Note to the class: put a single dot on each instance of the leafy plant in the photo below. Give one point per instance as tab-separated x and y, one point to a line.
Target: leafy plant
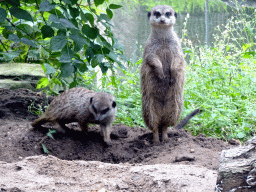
67	36
36	109
49	134
221	80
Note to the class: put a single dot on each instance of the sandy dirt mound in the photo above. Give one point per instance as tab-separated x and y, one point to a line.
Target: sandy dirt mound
130	145
41	173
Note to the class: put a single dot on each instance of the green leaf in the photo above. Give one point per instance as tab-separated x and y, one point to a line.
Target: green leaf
98	2
50	132
57	25
48	69
14	37
105	43
79	41
67	23
42	83
74	12
67	2
109	13
20	14
73	2
58	42
6	33
45	149
104	17
78	38
114	6
10	56
240	135
57	13
254	113
89	54
66	70
89	18
82	67
66	55
100	57
248	55
28	42
53	18
73	84
25	28
103	67
47	31
15	3
91	33
46	6
113	56
2	15
94	62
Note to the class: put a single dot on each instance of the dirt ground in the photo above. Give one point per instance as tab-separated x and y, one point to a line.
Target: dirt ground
130	146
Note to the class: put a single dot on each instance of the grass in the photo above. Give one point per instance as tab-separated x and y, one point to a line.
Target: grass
221	81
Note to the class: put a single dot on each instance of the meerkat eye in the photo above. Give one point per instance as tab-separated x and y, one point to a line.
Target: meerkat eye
104	111
157	14
149	15
114	104
168	14
94	109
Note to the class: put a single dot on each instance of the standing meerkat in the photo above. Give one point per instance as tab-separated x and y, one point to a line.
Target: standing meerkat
83	106
162	73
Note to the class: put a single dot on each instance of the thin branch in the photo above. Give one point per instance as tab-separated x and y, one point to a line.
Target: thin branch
3	46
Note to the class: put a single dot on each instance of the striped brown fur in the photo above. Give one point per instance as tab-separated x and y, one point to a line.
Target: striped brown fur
83	106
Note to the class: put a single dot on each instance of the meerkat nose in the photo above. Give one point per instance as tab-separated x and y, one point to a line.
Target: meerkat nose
162	21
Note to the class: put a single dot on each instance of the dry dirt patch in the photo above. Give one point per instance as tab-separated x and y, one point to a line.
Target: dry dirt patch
130	146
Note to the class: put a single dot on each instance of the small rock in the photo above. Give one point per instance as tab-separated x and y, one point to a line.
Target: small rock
184	158
234	142
122	186
192	150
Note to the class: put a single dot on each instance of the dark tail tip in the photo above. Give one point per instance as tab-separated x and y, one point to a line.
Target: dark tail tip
184	121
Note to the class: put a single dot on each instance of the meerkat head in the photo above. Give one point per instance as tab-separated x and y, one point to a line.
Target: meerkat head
103	107
162	16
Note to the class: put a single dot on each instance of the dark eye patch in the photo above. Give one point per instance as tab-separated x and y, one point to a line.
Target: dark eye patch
104	111
149	15
157	14
94	109
168	14
114	104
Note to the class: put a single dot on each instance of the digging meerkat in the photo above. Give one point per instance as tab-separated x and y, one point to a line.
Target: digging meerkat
83	106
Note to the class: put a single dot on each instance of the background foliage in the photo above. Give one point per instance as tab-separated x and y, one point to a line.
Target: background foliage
68	37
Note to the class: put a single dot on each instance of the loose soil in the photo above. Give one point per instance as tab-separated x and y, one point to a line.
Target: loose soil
129	146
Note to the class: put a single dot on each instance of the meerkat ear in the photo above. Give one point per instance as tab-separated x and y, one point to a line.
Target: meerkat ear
91	100
149	14
114	104
175	14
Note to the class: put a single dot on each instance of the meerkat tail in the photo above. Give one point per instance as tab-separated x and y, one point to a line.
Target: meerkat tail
184	121
38	122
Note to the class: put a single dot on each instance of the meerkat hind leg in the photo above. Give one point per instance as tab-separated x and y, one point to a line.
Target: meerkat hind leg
164	134
156	136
